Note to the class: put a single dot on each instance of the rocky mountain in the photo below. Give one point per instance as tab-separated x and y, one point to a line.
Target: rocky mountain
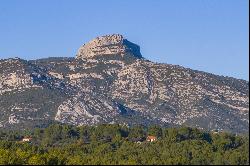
110	82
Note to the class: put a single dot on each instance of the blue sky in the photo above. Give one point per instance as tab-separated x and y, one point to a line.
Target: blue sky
206	35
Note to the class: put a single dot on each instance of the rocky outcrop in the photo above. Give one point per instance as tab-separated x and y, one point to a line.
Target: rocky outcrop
85	110
108	45
14	75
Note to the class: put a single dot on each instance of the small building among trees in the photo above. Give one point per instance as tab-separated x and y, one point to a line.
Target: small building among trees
26	139
151	138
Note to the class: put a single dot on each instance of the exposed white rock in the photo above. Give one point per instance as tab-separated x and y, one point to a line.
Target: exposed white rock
84	109
13	119
107	45
57	75
84	75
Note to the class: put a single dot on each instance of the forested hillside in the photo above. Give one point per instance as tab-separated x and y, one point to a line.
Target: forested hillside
116	144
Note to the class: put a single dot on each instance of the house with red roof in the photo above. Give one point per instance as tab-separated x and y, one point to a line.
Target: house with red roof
151	138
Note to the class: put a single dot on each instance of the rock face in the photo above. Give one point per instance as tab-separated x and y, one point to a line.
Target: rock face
110	82
13	76
108	45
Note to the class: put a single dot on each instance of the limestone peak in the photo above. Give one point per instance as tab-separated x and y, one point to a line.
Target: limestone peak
114	44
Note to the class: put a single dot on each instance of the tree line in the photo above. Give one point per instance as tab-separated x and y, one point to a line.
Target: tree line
61	144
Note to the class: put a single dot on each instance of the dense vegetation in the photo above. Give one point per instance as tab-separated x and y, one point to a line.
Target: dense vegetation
116	144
